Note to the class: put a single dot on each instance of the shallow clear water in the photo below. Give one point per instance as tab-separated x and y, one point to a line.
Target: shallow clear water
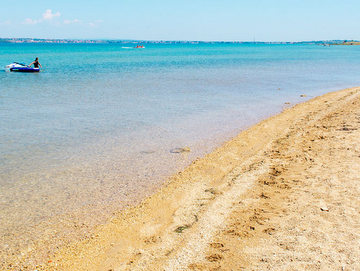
94	130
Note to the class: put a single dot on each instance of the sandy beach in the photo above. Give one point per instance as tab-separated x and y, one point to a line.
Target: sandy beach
282	195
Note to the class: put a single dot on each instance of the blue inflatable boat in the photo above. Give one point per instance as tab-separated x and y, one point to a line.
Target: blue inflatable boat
19	67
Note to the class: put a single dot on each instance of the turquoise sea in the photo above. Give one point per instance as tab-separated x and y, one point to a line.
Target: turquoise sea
93	132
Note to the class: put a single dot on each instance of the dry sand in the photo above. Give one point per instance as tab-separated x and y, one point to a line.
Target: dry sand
282	195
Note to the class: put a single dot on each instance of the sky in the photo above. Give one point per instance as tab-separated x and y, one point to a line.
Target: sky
211	20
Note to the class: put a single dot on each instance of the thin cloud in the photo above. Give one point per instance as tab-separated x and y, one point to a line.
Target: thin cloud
31	21
49	15
95	23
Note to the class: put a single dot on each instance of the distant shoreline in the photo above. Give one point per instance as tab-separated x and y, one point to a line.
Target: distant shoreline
349	43
110	41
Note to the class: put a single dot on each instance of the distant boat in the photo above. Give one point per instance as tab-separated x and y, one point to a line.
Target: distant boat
139	47
19	67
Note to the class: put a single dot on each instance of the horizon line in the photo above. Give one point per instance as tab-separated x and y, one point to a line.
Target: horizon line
164	40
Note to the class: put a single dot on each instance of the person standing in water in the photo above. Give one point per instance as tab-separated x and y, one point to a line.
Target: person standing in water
36	63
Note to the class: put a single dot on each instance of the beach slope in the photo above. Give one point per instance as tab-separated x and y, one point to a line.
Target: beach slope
282	195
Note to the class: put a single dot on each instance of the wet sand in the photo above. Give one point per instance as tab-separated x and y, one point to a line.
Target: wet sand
282	195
